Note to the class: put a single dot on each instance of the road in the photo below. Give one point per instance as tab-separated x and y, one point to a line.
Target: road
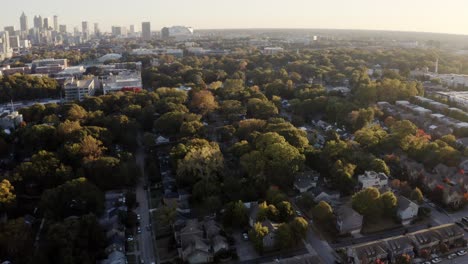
145	238
321	247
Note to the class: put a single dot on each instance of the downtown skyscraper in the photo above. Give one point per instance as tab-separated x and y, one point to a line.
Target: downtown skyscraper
24	23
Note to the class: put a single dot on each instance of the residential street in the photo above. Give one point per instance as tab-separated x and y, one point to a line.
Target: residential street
321	247
145	238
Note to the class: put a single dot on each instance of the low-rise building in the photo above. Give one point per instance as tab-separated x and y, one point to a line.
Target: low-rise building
306	180
10	120
429	240
77	90
407	210
348	221
372	179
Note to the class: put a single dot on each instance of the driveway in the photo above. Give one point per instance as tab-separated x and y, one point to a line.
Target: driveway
245	249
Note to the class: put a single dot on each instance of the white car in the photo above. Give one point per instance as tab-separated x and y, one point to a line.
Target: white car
461	252
452	256
138	217
436	260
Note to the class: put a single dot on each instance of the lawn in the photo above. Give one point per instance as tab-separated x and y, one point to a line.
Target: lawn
131	259
378	225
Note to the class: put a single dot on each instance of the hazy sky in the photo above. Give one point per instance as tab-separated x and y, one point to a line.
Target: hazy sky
447	16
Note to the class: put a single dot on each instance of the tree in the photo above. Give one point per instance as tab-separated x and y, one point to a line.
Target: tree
204	102
236	215
285	210
76	112
299	228
44	170
7	195
284	237
232	110
256	234
74	241
75	197
258	108
323	212
201	160
342	175
403	259
389	203
16	241
166	215
417	195
379	165
91	148
366	202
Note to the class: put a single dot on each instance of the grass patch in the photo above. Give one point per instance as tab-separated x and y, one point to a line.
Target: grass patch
378	225
131	259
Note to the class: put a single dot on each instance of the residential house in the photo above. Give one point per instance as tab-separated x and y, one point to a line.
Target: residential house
348	221
429	240
407	210
115	257
372	179
367	253
219	244
269	241
198	242
196	251
384	250
305	181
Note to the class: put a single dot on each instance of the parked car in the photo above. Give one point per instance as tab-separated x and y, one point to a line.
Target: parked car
130	238
460	224
138	230
138	217
461	252
298	213
465	219
452	256
426	262
436	260
245	236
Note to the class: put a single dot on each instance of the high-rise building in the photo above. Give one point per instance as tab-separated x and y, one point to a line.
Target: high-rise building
97	31
146	31
24	22
38	23
165	32
85	29
47	23
63	28
5	50
10	29
119	31
132	29
56	24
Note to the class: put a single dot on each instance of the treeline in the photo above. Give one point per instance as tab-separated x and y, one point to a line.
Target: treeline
26	87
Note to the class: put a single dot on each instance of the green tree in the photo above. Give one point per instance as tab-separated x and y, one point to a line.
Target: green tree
285	210
256	234
284	236
75	197
323	212
367	202
7	196
299	228
417	195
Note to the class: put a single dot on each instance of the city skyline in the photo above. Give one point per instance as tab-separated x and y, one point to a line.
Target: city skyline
417	15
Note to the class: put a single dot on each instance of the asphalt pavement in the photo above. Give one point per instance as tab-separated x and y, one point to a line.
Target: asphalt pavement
147	252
